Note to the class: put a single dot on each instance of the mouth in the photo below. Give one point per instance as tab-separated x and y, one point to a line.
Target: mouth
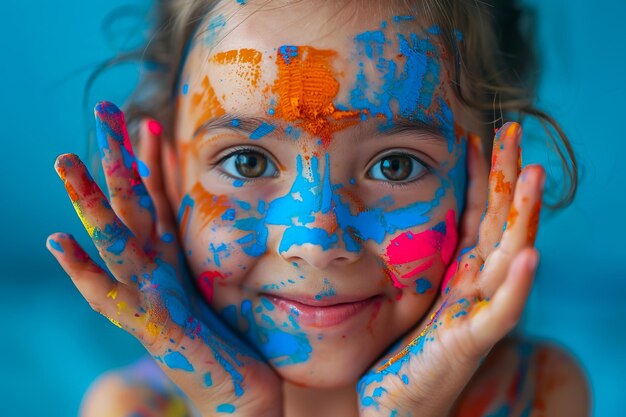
323	313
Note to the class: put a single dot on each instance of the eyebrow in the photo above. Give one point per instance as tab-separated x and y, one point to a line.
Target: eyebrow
248	125
242	124
427	132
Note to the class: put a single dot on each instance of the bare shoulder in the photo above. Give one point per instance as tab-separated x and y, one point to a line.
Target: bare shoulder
140	389
526	379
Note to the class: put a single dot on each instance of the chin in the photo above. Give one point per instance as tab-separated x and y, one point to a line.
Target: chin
327	372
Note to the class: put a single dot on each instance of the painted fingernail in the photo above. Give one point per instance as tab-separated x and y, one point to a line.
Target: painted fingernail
155	127
55	245
510	129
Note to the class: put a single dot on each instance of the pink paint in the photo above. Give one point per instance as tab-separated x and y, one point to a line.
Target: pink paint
408	247
155	127
205	283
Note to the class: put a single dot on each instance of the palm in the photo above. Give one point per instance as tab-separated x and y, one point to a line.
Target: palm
151	295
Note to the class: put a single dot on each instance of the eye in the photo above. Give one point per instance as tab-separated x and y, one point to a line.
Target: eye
397	167
244	164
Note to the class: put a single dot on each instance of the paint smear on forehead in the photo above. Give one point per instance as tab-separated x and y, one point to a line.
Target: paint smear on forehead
306	87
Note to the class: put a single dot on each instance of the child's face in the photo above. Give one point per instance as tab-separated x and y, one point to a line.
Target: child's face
322	168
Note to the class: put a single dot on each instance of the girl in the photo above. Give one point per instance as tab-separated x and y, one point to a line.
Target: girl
332	253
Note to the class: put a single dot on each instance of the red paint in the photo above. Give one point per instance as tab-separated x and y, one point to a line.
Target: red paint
205	282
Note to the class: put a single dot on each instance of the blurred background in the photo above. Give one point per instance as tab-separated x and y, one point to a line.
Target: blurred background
53	345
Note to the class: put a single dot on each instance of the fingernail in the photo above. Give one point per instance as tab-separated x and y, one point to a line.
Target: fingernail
109	123
510	129
155	127
55	245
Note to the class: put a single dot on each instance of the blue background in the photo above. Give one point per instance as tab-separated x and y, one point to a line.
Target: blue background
53	345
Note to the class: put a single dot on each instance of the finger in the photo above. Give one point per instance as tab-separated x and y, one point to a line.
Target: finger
492	320
150	157
476	194
521	228
129	196
104	295
116	244
504	171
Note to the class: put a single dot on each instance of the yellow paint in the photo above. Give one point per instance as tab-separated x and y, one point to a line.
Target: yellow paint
113	293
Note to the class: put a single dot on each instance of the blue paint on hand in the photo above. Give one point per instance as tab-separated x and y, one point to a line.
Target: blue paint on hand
176	360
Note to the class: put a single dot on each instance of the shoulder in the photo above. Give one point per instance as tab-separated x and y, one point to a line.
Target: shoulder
526	378
140	389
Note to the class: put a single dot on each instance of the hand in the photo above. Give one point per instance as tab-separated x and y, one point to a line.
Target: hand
483	294
148	293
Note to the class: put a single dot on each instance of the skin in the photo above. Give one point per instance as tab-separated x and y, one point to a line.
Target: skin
444	335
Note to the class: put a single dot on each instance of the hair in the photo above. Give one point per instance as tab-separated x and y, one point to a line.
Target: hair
494	68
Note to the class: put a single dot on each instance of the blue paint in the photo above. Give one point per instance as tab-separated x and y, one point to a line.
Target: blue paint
185	88
117	234
261	131
208	380
235	123
55	245
225	408
422	285
300	235
327	291
403	18
216	23
238	183
277	345
225	346
229	215
176	360
143	169
405	379
216	251
287	52
267	304
411	88
167	237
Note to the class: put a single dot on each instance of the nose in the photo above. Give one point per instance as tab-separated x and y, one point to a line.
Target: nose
312	234
316	247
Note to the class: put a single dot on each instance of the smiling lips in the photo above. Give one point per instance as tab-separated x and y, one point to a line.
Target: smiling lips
322	313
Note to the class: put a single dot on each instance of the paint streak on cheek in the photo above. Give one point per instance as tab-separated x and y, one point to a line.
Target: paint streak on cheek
419	252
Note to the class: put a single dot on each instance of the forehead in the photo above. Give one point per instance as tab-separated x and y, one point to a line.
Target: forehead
300	61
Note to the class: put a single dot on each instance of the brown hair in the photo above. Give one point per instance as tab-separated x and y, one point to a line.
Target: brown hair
494	68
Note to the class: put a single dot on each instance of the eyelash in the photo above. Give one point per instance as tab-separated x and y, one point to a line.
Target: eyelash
404	184
388	184
233	152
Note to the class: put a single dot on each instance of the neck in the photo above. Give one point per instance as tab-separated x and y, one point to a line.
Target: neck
304	402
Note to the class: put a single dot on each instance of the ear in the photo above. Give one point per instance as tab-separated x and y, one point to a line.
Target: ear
476	193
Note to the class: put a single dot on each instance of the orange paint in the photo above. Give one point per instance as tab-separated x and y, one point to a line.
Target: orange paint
306	87
510	220
205	103
501	186
207	206
247	64
533	222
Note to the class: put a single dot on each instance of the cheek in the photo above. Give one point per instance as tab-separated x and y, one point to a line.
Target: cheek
222	238
415	260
